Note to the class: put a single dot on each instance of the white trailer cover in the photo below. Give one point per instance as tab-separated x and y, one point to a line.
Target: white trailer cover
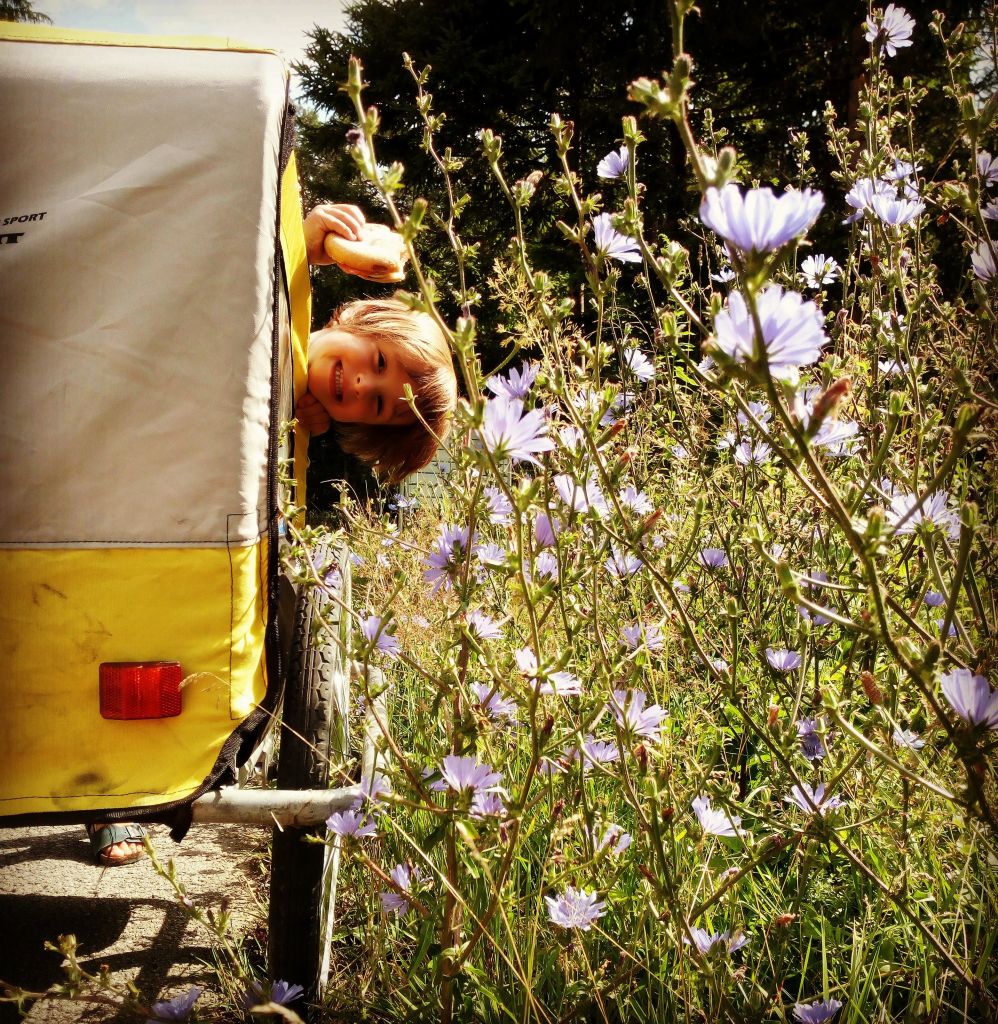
137	204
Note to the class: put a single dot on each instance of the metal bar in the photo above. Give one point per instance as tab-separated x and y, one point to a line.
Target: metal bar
284	807
293	807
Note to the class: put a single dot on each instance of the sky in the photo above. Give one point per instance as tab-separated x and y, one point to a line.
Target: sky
278	24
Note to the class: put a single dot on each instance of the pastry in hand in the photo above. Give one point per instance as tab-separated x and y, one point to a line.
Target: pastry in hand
379	255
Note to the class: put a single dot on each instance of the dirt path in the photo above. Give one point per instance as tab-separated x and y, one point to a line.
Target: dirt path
126	917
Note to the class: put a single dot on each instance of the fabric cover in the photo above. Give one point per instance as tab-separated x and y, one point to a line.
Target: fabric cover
137	313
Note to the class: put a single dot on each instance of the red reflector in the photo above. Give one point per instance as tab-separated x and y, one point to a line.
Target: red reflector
140	689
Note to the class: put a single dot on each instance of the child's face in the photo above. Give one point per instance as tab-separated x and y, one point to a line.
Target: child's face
357	379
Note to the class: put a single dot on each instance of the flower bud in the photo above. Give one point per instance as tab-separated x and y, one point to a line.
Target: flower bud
826	402
788	585
870	688
932	654
651	520
969	516
641	756
355	77
655	97
875	523
491	145
783	920
966	418
772	716
726	160
631	131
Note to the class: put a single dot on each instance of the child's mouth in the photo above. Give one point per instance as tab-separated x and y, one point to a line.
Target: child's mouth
338	382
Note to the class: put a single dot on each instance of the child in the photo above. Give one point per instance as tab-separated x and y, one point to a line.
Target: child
360	363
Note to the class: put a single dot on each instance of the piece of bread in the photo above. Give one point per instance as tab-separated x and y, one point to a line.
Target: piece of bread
379	255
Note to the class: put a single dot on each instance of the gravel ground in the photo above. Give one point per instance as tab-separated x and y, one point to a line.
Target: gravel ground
126	917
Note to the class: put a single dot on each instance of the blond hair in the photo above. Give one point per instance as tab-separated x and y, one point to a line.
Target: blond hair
396	451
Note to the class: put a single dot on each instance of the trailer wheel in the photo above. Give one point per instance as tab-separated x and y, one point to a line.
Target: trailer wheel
314	735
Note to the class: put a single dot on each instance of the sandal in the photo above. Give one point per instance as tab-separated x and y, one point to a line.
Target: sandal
102	837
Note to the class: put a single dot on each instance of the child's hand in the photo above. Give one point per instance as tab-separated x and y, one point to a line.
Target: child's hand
330	218
311	414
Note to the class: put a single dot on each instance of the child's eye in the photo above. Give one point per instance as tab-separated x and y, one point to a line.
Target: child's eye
379	404
381	361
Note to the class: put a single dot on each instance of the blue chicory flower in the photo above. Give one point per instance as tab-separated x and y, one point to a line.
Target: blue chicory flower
637	363
373	789
783	660
281	992
487	805
466	774
611	244
575	908
757	221
890	32
596	751
714	822
982	260
482	626
517	384
510	433
706	941
562	684
820	1011
546	529
812	801
817	619
748	454
819	269
635	500
907	738
811	744
906	514
648	632
614	837
987	168
860	196
177	1008
614	164
896	211
491	555
500	507
631	715
493	703
374	632
793	330
447	555
545	566
837	437
578	496
971	697
622	563
712	558
901	170
351	824
403	875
